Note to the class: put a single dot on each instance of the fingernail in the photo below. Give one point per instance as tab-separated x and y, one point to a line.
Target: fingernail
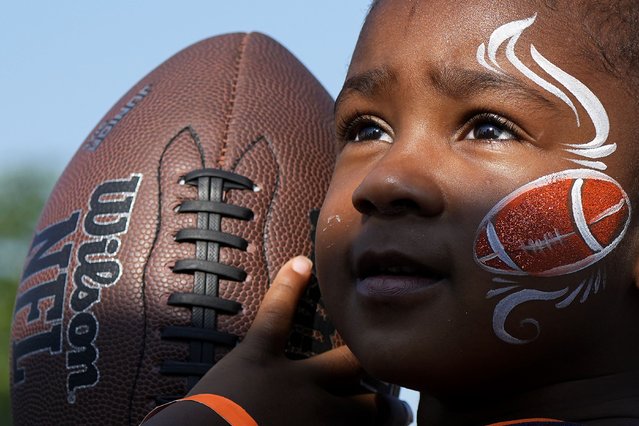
302	265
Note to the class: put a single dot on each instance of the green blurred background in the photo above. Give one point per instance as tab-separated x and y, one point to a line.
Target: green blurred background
22	195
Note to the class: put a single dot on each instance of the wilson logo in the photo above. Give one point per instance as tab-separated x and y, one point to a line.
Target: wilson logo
96	267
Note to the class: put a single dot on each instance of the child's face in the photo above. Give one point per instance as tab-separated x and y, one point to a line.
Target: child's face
441	141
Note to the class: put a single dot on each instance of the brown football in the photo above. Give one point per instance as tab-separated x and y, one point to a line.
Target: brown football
161	237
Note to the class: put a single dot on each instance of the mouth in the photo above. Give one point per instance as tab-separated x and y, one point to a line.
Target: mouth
393	274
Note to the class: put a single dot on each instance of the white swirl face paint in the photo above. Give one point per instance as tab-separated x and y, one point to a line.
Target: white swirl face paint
594	149
557	224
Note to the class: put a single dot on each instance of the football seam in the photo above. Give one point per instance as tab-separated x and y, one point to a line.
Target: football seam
231	108
195	139
269	209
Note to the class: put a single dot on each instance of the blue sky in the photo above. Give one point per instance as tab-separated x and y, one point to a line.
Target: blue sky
64	63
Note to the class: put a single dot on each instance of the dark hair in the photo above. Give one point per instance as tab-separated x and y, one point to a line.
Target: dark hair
612	28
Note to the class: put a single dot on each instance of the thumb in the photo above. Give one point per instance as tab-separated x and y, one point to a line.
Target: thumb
274	319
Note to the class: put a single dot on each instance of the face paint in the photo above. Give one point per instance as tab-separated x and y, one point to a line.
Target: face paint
555	225
512	31
513	299
560	223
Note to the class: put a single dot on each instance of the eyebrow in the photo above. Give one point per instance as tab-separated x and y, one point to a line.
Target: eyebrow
458	83
367	83
452	82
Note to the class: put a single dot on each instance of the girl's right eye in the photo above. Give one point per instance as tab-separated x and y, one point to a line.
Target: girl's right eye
365	128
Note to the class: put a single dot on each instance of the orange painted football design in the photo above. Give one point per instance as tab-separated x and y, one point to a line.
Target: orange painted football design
555	225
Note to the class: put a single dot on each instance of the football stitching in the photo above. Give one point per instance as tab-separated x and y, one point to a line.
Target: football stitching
229	113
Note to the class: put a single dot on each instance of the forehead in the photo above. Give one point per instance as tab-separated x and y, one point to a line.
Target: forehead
441	31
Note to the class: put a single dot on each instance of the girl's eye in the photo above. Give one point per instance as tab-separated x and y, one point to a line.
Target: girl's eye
491	127
371	132
489	131
365	128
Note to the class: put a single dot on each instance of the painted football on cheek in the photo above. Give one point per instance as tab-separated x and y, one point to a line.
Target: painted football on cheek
555	225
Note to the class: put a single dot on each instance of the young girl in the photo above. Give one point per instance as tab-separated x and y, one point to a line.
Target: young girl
478	241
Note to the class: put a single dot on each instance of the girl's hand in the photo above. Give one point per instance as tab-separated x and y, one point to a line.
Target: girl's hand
275	390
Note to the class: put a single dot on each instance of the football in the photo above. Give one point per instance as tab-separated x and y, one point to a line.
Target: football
557	224
161	236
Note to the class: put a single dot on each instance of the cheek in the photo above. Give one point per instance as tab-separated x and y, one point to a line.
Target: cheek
336	221
334	217
332	253
337	214
555	225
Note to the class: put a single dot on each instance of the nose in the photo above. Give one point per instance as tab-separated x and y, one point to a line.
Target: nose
399	184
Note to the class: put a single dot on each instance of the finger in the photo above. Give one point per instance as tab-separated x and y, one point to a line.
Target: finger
386	410
336	367
392	411
339	372
274	318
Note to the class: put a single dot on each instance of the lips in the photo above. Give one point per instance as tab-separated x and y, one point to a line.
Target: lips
387	274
